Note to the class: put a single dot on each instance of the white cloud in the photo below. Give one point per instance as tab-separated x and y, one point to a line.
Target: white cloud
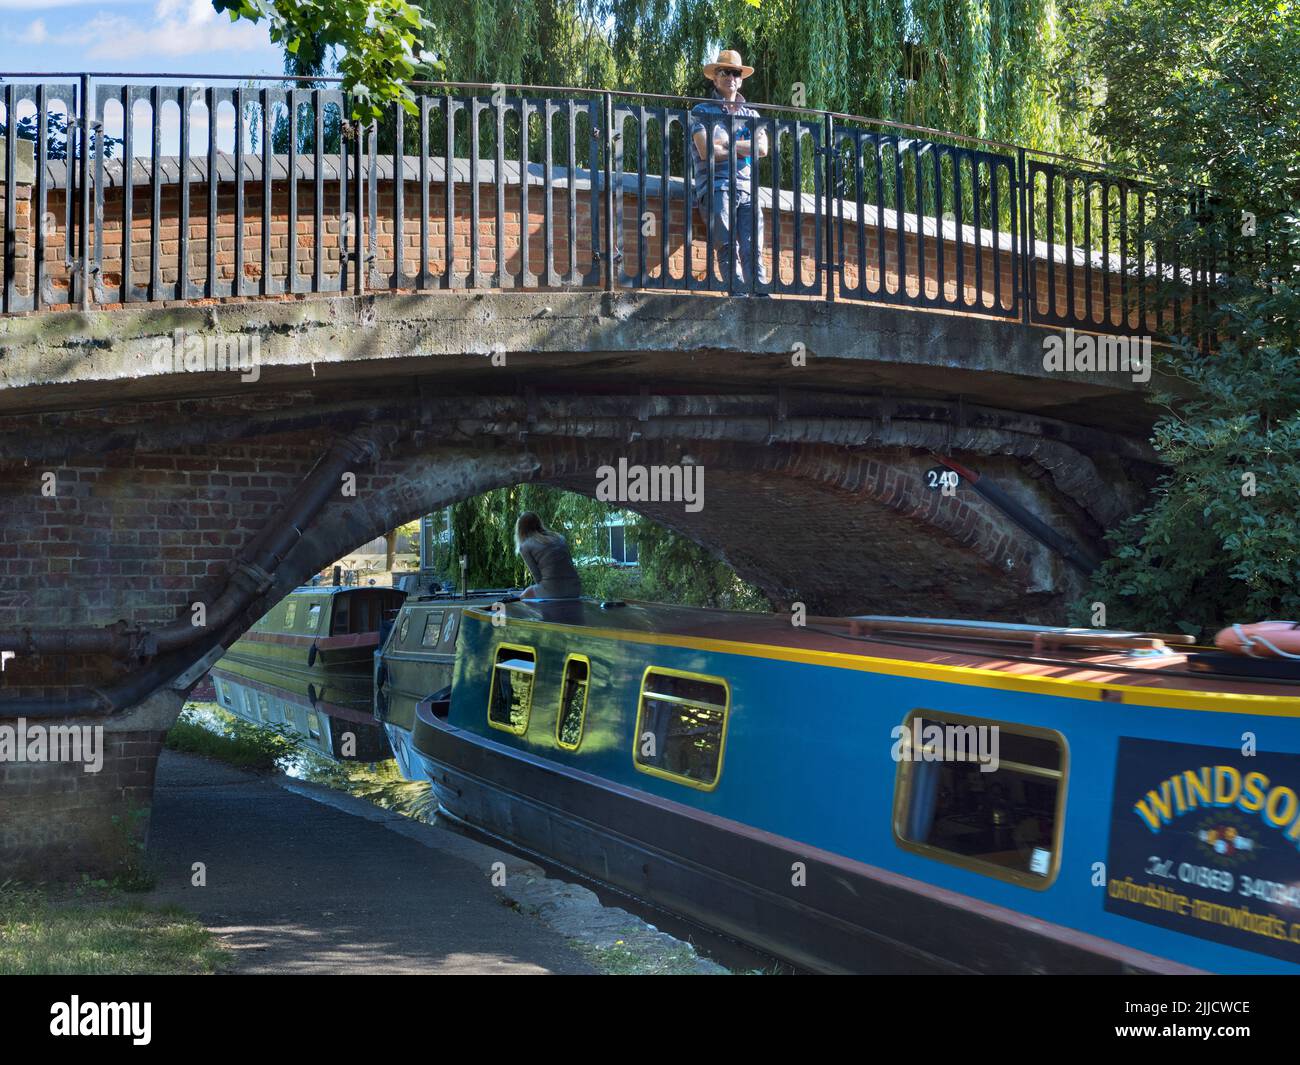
179	28
36	33
51	5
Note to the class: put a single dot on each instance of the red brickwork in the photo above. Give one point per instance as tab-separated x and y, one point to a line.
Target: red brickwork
59	821
992	288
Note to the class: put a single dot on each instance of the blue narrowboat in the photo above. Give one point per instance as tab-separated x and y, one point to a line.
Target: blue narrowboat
884	794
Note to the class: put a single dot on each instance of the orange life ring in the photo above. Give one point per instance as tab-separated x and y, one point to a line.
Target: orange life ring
1264	639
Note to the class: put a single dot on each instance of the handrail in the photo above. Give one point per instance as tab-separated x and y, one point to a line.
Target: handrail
849	207
634	94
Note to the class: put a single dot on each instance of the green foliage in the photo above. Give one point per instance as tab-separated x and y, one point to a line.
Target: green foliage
677	570
672	569
134	872
1204	90
375	42
979	67
206	729
971	66
228	739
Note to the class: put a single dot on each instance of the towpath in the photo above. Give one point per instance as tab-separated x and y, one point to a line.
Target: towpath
300	885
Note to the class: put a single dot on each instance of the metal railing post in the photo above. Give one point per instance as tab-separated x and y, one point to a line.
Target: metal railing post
831	204
1022	195
609	191
358	207
83	168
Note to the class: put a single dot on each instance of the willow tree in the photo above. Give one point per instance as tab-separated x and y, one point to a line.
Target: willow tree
672	568
978	67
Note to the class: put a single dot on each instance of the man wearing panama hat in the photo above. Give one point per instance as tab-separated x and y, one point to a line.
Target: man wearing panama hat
710	124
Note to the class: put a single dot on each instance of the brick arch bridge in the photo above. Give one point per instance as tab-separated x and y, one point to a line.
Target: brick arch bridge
137	481
159	504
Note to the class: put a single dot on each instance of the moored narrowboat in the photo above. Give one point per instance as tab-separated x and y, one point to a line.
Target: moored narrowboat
888	795
313	717
416	662
307	666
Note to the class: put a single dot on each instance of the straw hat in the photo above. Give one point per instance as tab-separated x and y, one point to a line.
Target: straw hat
728	58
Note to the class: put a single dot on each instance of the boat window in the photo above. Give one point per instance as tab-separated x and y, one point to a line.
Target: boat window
264	708
510	698
404	628
449	626
432	629
982	794
682	726
313	725
313	617
290	612
573	702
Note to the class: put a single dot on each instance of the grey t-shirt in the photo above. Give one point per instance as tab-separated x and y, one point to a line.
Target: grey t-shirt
713	120
551	565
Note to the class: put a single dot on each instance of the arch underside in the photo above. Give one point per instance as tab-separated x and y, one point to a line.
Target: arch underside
842	531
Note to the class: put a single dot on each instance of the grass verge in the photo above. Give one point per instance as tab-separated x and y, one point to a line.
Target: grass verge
237	743
626	959
93	931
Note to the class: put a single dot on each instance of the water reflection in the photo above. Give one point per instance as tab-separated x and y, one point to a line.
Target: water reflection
294	755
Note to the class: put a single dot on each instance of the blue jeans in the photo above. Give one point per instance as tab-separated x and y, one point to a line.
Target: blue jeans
720	231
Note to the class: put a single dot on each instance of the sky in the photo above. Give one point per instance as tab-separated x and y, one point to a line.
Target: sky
129	36
186	37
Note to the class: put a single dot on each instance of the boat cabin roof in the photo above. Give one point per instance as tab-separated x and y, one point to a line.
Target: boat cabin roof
931	648
318	590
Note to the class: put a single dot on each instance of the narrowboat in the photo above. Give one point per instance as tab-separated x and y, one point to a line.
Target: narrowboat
888	795
339	733
415	662
307	665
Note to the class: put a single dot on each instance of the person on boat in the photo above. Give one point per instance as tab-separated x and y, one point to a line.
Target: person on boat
546	554
712	119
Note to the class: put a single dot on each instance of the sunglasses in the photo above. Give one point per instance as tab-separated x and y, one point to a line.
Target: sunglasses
731	73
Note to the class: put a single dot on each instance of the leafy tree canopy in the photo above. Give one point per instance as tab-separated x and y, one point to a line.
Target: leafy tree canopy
672	568
374	42
979	67
1205	91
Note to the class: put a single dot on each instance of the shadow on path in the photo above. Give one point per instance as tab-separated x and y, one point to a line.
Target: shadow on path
298	886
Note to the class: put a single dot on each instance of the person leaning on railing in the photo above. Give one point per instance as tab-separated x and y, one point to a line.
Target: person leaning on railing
727	74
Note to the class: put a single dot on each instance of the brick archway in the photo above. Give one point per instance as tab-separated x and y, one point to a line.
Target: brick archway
147	520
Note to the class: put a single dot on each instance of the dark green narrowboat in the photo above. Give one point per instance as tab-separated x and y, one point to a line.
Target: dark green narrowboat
416	661
311	658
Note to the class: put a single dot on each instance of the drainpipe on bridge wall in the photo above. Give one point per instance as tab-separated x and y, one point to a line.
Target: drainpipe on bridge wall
253	575
1077	557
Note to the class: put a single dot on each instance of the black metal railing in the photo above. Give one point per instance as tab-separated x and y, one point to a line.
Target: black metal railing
264	190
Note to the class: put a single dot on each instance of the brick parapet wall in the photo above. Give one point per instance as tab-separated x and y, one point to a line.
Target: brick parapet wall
991	291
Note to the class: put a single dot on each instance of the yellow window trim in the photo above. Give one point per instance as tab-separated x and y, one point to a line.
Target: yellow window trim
586	695
903	788
492	687
678	778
